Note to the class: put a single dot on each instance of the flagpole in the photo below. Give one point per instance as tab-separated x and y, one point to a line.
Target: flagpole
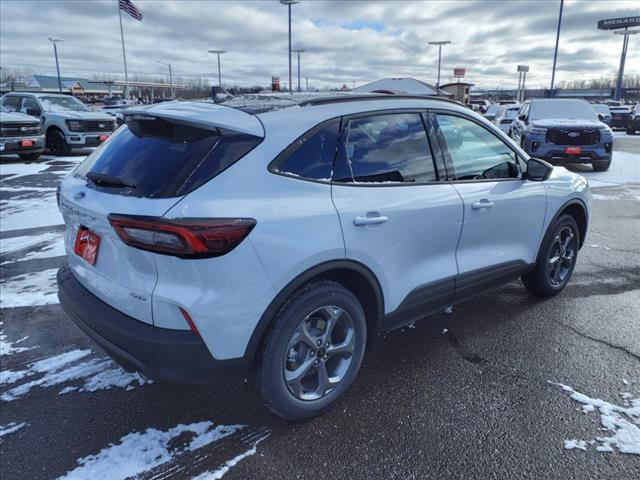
124	56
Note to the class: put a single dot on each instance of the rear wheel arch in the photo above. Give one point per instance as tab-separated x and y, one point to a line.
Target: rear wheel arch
352	275
577	209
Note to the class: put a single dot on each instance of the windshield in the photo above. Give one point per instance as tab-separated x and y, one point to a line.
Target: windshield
511	113
566	109
493	110
53	104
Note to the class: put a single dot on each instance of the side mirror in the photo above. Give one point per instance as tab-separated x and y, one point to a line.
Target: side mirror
34	112
538	170
522	117
600	117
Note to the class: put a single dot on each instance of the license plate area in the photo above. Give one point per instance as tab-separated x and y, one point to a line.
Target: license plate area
86	245
573	150
27	143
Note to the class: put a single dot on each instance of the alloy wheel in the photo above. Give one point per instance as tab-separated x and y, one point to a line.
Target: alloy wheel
319	353
562	256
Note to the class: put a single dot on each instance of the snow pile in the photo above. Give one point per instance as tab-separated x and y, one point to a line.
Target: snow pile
9	348
622	422
140	452
98	373
50	244
30	213
29	289
10	428
229	464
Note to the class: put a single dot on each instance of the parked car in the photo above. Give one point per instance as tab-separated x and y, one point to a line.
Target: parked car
620	117
204	241
20	134
603	112
66	121
505	118
563	131
508	102
633	124
492	111
116	111
480	105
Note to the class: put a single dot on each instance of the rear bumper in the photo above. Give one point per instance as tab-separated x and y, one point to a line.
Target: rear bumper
158	353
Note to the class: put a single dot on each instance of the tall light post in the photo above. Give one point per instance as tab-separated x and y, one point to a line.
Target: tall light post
219	52
55	52
555	53
299	51
288	3
173	92
439	44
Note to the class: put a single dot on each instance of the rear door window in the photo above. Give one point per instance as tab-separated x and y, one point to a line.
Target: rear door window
390	148
158	159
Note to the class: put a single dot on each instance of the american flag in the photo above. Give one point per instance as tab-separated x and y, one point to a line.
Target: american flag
131	9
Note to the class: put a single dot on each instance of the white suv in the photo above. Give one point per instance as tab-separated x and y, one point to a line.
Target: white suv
205	240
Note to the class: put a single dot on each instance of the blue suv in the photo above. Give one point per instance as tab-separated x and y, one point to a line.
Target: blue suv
563	131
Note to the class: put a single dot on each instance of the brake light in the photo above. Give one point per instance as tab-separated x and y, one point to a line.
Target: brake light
184	238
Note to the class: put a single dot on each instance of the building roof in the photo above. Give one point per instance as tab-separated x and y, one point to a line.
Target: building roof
409	85
46	83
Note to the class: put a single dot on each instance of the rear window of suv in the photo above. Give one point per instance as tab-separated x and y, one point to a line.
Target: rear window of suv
157	159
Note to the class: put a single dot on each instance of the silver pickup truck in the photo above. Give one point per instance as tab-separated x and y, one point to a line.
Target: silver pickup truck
20	135
66	121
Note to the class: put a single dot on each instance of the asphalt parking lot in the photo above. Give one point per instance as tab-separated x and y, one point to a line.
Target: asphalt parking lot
508	386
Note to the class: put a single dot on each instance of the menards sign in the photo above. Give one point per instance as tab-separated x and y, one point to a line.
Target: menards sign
613	23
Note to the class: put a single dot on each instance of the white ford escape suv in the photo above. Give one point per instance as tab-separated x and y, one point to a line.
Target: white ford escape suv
205	240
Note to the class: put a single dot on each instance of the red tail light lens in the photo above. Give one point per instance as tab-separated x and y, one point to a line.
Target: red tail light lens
185	238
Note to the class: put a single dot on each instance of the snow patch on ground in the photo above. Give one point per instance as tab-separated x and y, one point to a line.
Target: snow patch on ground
10	428
16	170
596	245
140	452
229	464
97	373
50	244
29	289
18	214
622	422
8	347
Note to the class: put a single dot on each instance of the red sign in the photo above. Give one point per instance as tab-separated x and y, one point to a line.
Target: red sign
458	72
103	137
573	150
27	143
275	84
86	245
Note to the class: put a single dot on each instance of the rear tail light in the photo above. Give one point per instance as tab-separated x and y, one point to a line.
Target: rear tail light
184	238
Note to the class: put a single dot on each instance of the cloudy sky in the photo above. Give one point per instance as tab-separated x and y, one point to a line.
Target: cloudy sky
345	41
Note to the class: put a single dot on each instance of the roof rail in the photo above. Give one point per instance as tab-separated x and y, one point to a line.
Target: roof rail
372	96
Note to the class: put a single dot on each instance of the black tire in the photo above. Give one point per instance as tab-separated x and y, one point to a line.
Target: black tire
277	351
540	280
57	144
601	165
30	156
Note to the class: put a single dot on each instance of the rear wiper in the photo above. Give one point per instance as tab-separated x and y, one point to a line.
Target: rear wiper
107	180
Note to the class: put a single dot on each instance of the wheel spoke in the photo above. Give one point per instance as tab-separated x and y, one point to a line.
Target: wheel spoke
553	260
345	348
334	316
323	378
305	335
557	272
295	377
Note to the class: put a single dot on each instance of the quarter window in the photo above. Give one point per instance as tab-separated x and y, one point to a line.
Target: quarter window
390	148
474	152
311	156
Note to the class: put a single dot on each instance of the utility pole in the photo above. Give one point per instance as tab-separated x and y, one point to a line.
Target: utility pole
439	44
625	43
219	52
299	51
55	52
288	3
173	92
555	53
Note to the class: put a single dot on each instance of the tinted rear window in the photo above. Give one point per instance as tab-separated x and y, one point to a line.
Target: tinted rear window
161	159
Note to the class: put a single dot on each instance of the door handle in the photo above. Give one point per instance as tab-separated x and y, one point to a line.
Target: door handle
370	220
484	203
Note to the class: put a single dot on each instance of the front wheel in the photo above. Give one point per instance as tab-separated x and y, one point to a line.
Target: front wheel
556	260
57	144
313	351
30	156
601	165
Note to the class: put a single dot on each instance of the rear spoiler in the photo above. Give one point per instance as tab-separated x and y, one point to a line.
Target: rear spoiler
207	116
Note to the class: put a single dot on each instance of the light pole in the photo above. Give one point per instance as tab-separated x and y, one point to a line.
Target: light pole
439	44
299	51
55	52
625	43
173	92
288	3
555	53
219	52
